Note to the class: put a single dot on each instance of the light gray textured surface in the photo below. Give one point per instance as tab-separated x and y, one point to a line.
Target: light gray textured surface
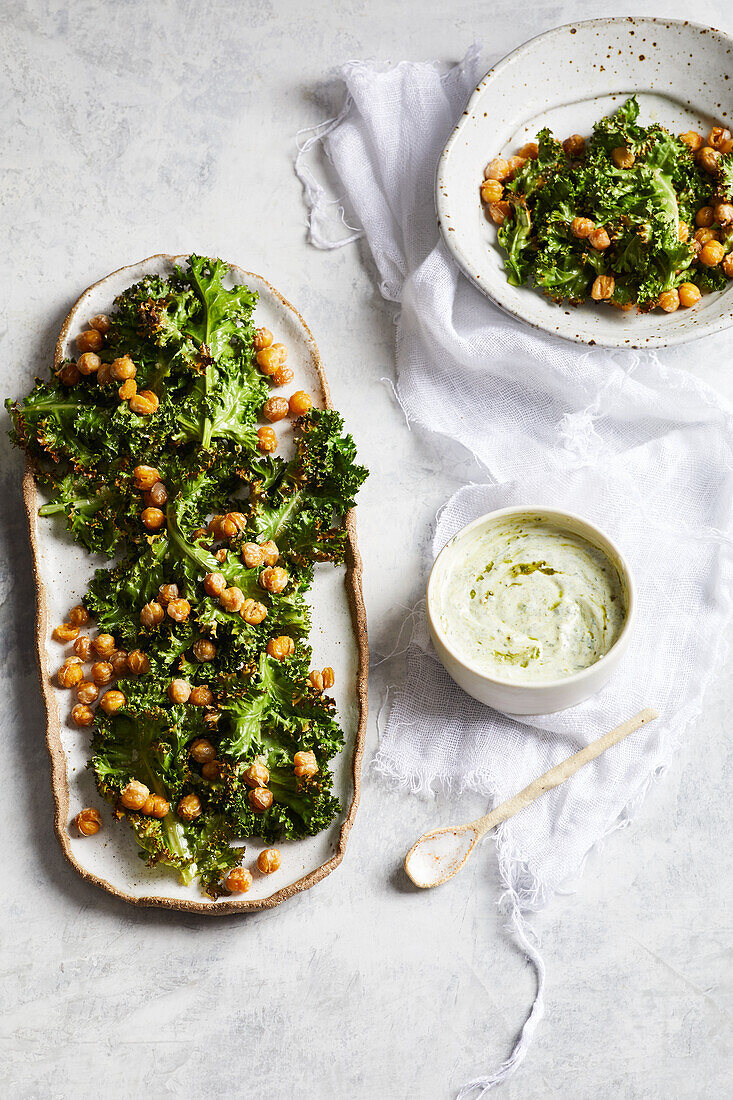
131	128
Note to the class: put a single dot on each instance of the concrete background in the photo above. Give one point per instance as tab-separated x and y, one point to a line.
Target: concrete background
128	129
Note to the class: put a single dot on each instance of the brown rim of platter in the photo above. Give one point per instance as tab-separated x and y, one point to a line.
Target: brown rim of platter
59	777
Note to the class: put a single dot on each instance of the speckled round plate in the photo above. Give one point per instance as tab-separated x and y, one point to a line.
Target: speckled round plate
338	636
566	79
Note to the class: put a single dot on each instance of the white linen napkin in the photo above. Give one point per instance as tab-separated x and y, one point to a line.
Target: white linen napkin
643	450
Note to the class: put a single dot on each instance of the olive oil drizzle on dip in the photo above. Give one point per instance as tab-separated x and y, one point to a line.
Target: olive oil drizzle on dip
528	601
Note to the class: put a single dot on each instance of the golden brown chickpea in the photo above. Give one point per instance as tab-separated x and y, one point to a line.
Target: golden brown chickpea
68	375
603	288
599	239
213	771
720	139
724	213
118	660
88	363
574	146
268	861
145	477
179	691
69	675
226	528
692	140
83	647
281	647
104	644
87	692
274	409
101	323
178	610
305	765
274	578
300	403
712	253
322	680
496	169
123	368
238	881
112	701
82	715
702	236
152	615
102	673
65	632
166	593
157	497
104	375
256	775
127	390
266	440
199	533
212	526
79	616
728	266
189	808
201	696
704	216
253	612
221	555
683	231
153	519
231	599
669	301
252	555
155	806
281	376
515	165
530	151
270	552
582	227
91	340
272	357
708	159
689	294
623	158
214	584
491	191
263	339
260	799
88	822
202	751
137	662
144	403
135	795
204	650
499	212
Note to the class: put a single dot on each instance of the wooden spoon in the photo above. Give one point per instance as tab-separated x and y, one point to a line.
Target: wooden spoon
439	855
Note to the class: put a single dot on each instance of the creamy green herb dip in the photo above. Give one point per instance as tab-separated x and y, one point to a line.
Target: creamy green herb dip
528	601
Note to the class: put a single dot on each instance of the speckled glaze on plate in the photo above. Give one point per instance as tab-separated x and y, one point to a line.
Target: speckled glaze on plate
566	79
62	571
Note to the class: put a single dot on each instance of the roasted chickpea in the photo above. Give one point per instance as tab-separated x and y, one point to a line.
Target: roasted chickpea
712	253
274	409
669	301
231	599
145	477
104	375
574	146
252	555
178	610
189	808
260	799
213	771
728	266
123	368
202	751
263	339
201	696
530	151
305	765
491	191
102	673
112	701
127	390
135	795
153	519
300	403
69	675
683	231
91	340
274	578
281	647
496	169
199	533
157	497
704	216
212	526
83	647
144	403
268	861
603	288
152	615
689	294
322	680
82	715
88	363
137	662
266	440
253	612
204	650
104	644
65	632
599	239
155	806
179	691
515	165
101	323
724	213
238	881
88	822
256	775
221	555
272	357
281	376
166	593
499	212
87	692
214	584
118	660
79	616
702	236
720	139
708	159
692	140
582	227
622	157
68	375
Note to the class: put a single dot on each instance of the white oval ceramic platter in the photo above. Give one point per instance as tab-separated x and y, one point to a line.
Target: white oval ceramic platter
338	637
566	79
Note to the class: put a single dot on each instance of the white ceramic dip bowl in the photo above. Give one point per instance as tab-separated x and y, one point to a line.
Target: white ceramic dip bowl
512	694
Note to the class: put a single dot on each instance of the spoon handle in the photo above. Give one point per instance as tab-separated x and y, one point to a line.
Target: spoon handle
557	775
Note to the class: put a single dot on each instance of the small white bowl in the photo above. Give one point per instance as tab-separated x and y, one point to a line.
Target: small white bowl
550	695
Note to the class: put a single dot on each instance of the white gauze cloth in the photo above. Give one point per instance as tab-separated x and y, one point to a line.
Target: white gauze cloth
641	449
